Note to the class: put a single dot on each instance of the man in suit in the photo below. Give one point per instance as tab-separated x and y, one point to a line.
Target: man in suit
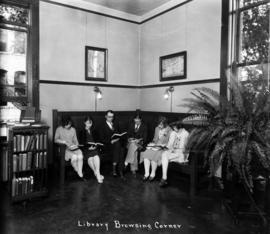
137	137
112	146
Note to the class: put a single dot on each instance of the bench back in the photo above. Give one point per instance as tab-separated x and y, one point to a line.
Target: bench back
124	119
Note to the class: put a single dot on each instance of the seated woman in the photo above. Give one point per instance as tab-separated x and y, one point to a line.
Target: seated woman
90	150
137	136
176	150
66	135
152	155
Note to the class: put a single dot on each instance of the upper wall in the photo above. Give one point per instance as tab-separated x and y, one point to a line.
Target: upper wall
64	33
194	27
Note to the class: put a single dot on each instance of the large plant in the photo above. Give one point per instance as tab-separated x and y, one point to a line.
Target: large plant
232	129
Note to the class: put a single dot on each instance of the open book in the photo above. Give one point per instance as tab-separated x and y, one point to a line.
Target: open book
94	143
156	147
139	140
118	135
74	147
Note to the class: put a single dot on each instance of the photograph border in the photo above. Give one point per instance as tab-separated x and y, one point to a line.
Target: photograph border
105	78
178	54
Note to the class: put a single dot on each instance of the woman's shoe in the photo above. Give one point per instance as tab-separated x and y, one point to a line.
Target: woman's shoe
134	174
83	179
145	178
151	179
99	180
163	183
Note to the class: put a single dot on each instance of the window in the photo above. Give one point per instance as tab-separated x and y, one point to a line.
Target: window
19	53
13	52
248	44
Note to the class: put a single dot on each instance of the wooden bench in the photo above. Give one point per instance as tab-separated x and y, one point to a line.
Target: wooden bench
193	168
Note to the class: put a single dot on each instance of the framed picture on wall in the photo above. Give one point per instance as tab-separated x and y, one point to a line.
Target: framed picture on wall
95	63
173	66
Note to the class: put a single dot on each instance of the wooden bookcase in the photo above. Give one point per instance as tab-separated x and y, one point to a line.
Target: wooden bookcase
28	156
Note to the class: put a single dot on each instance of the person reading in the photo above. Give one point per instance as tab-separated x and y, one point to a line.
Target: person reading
90	149
66	134
176	150
151	156
137	136
112	146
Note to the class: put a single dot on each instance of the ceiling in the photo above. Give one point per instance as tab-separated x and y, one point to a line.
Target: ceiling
135	7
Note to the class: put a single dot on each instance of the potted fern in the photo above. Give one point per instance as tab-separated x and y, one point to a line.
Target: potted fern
234	133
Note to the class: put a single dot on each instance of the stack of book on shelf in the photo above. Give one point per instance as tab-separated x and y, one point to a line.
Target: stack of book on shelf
29	142
40	160
29	160
22	185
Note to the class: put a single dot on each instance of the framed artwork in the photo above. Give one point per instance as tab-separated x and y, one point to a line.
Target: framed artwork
173	66
95	63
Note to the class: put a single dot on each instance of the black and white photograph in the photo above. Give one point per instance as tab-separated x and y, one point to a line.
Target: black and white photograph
135	116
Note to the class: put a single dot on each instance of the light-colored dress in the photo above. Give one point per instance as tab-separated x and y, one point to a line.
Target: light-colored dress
161	137
70	137
176	146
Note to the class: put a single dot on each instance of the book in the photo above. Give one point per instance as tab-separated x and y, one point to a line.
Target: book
22	142
156	147
14	162
118	135
29	160
14	143
24	162
74	147
37	142
95	143
135	139
27	141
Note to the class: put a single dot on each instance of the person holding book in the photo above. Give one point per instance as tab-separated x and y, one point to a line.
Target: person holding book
176	150
66	134
111	138
152	155
137	136
90	150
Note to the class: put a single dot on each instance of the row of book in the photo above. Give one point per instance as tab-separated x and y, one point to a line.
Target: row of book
22	186
4	164
29	161
29	142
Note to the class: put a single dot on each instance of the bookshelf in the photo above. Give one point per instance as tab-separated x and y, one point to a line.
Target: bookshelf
28	155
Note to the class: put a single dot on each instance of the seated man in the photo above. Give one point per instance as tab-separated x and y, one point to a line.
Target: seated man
176	150
137	137
112	145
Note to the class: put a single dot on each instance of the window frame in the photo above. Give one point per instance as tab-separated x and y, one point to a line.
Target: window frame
32	54
230	41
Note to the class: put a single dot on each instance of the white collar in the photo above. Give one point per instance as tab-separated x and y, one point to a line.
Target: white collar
109	124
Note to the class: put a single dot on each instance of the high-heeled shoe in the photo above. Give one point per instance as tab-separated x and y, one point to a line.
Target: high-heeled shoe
163	183
83	179
145	178
151	178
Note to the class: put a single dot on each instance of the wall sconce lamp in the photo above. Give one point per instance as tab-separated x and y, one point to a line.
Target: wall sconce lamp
168	93
98	95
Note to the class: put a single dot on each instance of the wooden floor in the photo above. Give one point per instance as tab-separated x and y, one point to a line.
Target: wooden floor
88	207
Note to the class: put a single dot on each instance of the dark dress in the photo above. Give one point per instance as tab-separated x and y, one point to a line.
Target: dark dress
88	137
